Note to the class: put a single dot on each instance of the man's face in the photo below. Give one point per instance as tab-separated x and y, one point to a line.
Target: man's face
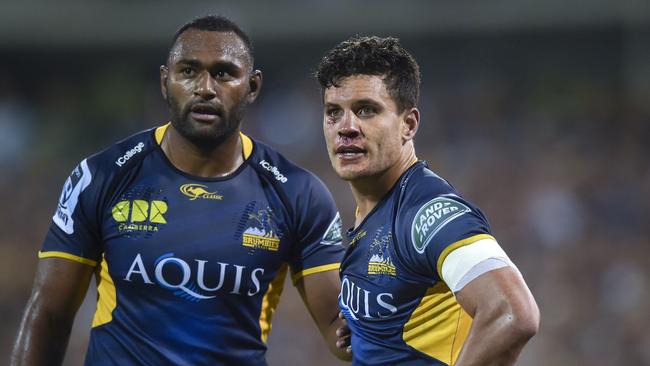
207	83
362	127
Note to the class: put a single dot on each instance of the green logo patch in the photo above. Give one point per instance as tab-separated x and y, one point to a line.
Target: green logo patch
432	217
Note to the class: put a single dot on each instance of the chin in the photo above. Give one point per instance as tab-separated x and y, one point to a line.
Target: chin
204	134
351	174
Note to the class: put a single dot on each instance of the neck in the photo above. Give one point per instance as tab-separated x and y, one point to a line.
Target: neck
207	162
369	191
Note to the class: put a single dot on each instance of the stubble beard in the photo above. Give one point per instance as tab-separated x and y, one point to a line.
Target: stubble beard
216	135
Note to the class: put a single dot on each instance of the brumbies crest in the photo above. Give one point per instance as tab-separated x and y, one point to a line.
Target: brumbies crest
432	217
380	262
262	232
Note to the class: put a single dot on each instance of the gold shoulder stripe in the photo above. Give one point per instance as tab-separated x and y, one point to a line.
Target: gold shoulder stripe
69	256
160	132
309	271
456	245
247	145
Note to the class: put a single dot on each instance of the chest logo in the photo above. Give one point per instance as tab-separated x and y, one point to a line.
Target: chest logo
262	232
194	191
380	262
432	217
139	215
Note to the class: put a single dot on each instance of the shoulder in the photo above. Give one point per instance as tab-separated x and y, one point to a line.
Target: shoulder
430	207
123	154
90	181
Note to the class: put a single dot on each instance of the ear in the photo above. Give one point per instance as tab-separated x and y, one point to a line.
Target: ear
410	123
164	74
254	85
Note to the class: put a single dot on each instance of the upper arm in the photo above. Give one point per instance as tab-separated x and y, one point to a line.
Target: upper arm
501	293
320	292
60	286
317	246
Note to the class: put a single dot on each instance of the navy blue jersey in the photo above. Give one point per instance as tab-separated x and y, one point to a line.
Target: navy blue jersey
398	307
190	269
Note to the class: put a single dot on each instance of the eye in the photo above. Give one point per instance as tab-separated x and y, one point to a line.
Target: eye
366	111
333	113
187	71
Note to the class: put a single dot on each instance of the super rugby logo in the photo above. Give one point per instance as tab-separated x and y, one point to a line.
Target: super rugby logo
333	233
194	191
276	173
198	279
432	217
129	154
76	183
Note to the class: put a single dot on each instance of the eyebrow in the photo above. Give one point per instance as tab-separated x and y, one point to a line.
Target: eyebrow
196	63
366	101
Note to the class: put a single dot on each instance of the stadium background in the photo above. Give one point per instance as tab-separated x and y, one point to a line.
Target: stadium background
537	111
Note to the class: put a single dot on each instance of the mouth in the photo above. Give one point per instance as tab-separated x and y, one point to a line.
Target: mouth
204	112
350	152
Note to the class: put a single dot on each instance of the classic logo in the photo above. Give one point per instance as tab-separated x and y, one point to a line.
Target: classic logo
357	237
76	183
432	217
333	234
139	215
262	232
380	262
194	191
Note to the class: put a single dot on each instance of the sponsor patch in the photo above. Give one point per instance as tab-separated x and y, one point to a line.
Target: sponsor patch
129	154
139	215
432	217
276	173
194	191
76	183
333	234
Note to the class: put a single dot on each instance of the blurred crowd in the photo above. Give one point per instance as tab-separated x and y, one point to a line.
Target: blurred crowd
537	129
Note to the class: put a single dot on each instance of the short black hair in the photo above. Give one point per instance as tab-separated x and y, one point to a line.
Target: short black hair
215	23
372	55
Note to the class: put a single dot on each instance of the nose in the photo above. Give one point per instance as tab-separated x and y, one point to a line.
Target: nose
205	87
349	125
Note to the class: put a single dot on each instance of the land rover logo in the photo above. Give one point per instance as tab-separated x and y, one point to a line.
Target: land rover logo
432	217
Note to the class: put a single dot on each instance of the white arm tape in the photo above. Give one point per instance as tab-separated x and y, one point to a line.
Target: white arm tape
466	263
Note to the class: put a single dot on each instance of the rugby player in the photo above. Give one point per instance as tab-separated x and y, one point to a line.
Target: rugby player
189	229
424	281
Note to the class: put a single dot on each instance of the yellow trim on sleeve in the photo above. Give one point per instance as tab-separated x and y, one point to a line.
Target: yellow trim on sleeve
160	132
270	302
69	256
106	295
309	271
247	145
438	326
456	245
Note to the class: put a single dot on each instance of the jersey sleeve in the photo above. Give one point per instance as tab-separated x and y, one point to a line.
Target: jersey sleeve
432	228
318	229
74	231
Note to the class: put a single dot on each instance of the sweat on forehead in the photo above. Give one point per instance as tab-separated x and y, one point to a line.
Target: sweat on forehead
194	41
